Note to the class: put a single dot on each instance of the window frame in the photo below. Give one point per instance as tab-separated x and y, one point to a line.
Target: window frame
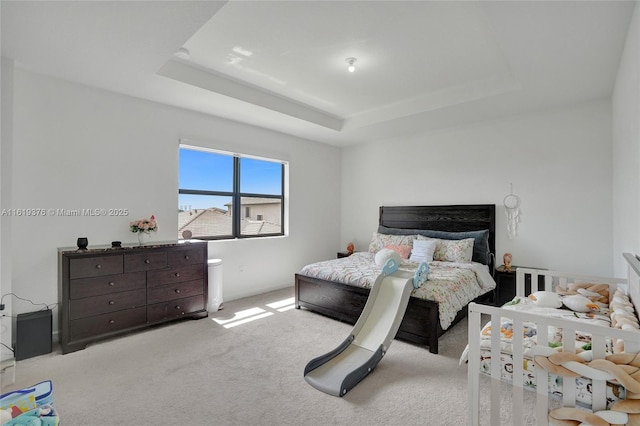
237	214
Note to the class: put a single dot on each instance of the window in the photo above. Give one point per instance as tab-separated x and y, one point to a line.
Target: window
212	183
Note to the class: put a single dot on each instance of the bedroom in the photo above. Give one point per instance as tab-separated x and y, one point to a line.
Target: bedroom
66	144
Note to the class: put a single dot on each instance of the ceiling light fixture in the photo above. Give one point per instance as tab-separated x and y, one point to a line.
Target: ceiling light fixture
183	53
351	61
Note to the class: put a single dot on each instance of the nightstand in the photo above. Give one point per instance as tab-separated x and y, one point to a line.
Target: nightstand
506	284
344	254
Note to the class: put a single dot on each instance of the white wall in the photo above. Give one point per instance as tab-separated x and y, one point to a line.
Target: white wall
559	162
78	147
6	148
626	149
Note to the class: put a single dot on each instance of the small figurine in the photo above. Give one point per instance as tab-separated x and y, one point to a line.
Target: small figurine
507	261
350	248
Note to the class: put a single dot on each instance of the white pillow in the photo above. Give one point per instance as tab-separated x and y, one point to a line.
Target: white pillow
385	254
423	250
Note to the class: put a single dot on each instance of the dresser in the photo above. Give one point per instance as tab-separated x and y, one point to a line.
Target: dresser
108	291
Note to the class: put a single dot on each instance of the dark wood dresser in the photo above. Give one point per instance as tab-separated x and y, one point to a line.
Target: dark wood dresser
109	291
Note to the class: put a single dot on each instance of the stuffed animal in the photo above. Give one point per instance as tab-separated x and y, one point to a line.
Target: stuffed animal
580	303
598	293
507	258
546	299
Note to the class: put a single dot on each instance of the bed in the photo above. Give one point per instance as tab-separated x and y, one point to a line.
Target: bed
422	322
556	365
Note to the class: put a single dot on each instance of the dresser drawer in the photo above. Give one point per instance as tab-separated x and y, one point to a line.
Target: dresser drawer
162	293
95	266
174	308
107	323
106	284
175	275
90	306
145	261
184	257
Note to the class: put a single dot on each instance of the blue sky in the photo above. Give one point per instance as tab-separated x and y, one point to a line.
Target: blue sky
210	171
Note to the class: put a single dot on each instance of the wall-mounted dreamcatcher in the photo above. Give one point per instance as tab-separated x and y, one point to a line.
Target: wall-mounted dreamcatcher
512	211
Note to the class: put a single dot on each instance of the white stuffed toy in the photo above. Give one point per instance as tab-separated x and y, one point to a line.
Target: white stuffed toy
580	303
546	299
385	254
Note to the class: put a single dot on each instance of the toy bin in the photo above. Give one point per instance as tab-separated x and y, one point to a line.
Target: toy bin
28	398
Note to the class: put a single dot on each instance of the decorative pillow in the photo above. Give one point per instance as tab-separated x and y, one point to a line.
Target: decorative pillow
385	254
403	250
379	241
460	251
546	299
481	251
423	250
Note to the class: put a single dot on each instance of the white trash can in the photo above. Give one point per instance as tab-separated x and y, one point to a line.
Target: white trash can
215	285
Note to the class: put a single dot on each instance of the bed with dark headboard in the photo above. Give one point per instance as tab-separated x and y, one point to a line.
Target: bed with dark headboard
421	323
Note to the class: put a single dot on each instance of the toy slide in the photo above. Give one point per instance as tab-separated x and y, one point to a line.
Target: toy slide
338	371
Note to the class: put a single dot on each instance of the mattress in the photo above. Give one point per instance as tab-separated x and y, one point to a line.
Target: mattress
452	285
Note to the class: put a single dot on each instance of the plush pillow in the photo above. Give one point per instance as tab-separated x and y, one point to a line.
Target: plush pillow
379	241
546	299
481	251
385	254
423	250
404	250
460	251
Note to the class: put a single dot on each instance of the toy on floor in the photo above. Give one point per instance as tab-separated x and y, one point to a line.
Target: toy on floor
339	370
44	415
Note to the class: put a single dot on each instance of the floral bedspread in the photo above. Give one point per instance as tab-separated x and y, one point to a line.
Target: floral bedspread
452	285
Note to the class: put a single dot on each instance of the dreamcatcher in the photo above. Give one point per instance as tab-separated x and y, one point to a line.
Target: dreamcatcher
512	211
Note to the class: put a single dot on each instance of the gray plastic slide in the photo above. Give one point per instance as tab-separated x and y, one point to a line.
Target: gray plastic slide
338	371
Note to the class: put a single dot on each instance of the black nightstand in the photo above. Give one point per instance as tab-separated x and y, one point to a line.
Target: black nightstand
344	254
506	284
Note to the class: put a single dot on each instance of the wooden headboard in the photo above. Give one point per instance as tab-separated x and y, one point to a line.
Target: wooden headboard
454	218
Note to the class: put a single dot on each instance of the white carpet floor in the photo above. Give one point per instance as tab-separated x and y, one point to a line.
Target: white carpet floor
247	371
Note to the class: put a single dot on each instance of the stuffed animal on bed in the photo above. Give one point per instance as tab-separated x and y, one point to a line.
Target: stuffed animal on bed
580	303
546	299
575	302
383	255
598	293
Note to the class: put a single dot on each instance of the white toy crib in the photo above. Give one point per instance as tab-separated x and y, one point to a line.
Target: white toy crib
487	403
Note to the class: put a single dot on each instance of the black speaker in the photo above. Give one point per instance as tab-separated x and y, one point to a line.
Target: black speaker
33	334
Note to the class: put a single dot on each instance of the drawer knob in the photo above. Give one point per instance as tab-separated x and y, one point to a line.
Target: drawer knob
111	284
147	261
177	274
98	266
111	302
178	290
112	321
178	307
186	257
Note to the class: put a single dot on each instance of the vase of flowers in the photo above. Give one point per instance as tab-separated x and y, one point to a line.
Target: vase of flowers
144	227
